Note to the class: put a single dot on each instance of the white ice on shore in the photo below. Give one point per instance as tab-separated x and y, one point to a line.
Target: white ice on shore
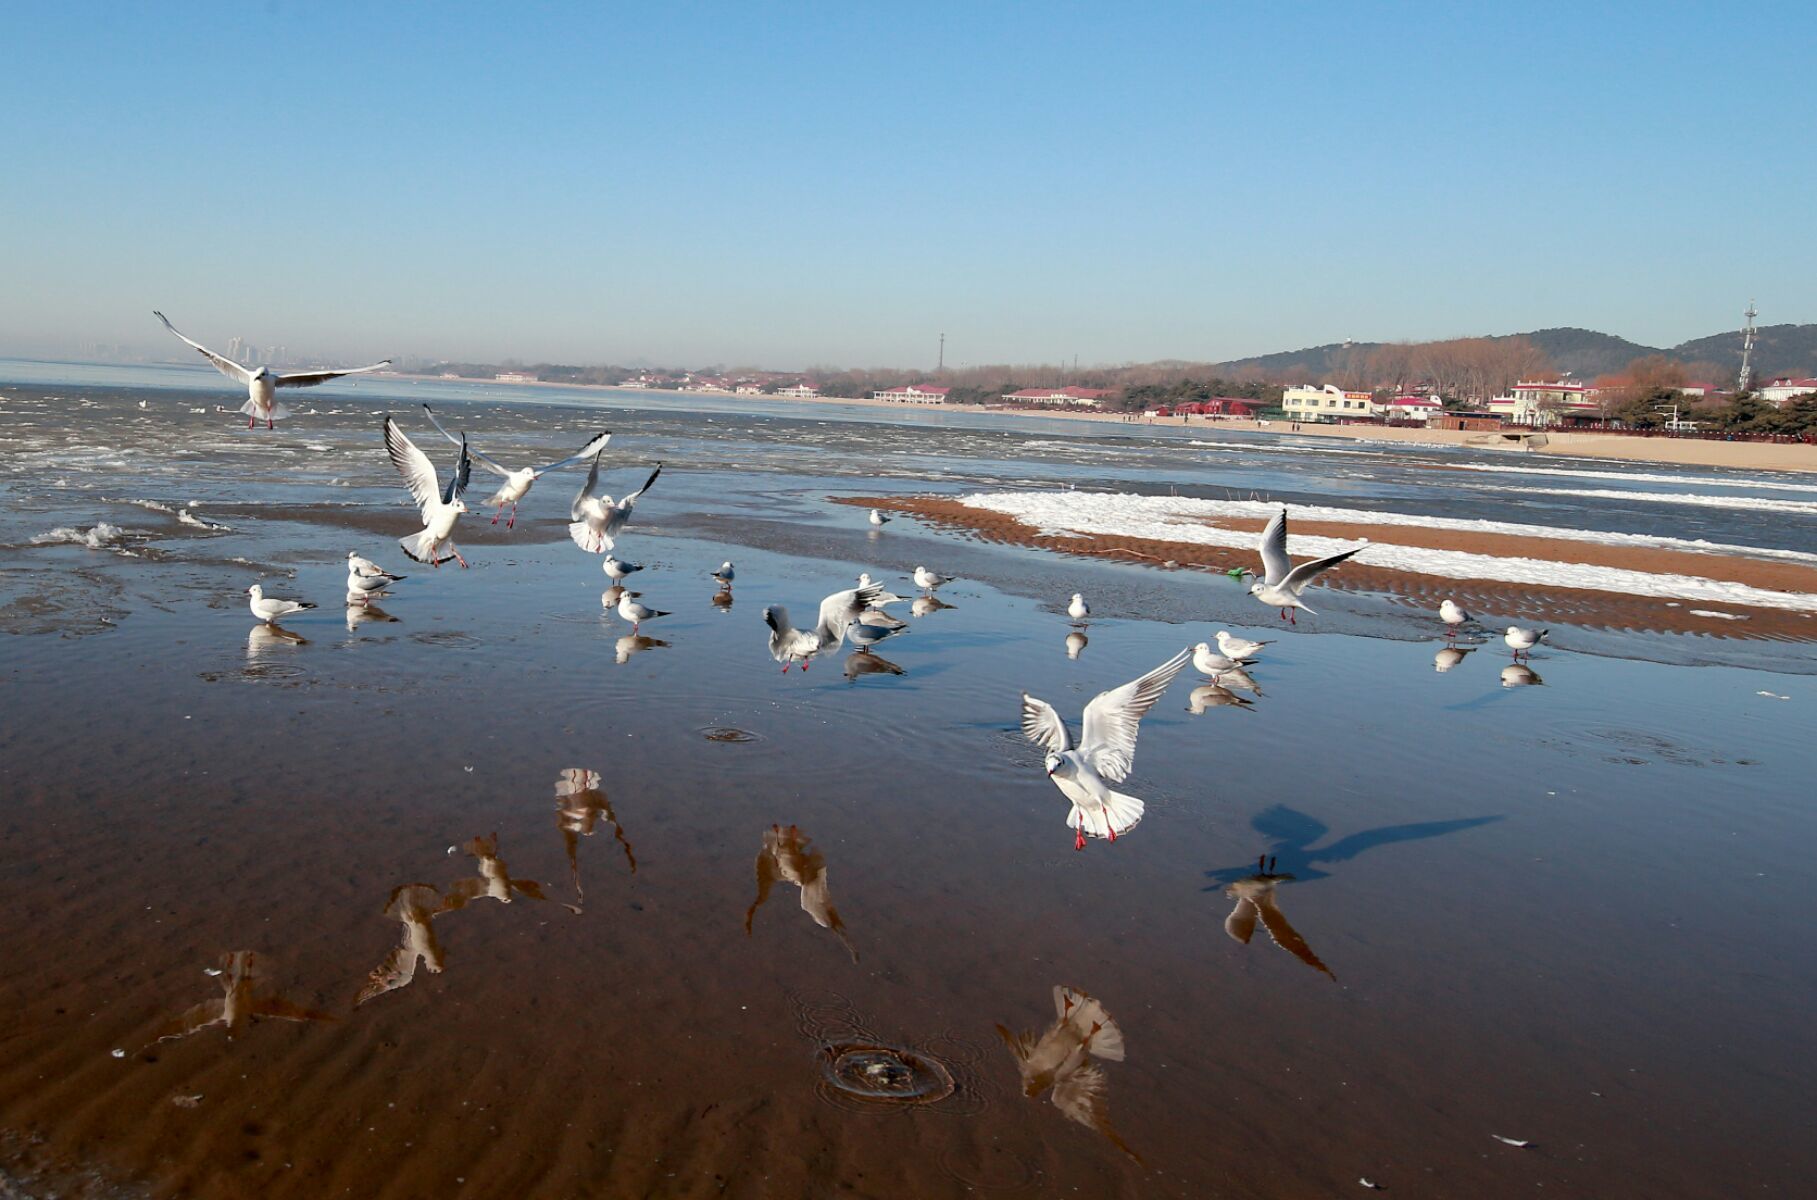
1750	503
1641	477
1183	519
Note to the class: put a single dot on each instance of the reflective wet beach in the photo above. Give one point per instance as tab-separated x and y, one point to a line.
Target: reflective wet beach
1566	909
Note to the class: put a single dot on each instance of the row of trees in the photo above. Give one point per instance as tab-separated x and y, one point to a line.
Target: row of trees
1467	370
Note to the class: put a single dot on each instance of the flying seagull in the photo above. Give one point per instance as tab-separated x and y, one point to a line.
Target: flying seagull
597	519
260	382
517	483
441	505
1105	753
839	612
1282	582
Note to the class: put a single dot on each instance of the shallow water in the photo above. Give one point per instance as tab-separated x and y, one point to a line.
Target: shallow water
1571	914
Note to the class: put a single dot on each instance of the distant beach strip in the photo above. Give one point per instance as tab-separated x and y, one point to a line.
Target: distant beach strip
1525	572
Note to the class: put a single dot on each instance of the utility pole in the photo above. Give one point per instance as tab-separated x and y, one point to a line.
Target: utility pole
942	366
1747	348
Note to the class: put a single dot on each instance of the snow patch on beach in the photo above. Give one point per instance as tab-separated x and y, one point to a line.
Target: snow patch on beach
1181	519
1640	477
1749	503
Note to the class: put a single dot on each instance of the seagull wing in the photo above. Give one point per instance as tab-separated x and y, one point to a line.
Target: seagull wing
495	468
1275	563
838	611
1306	572
627	501
1043	726
593	447
311	378
1108	740
225	366
1080	1094
1286	936
413	465
463	471
579	512
1020	1044
1240	924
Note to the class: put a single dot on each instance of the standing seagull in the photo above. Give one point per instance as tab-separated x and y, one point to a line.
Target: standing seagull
636	613
1078	610
1453	615
928	580
269	608
259	383
1105	753
1522	641
366	578
618	568
441	506
1282	582
725	574
517	483
1236	647
597	519
878	518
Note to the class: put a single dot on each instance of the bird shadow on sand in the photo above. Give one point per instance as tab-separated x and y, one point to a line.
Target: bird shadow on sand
1292	834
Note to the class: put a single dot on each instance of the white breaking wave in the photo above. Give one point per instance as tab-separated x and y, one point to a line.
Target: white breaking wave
1181	519
1641	477
100	537
1748	503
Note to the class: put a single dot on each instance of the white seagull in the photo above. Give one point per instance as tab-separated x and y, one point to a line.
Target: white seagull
260	382
618	568
928	580
517	483
1235	647
368	580
1078	610
269	608
1453	615
1282	582
597	519
631	610
878	518
441	505
1210	662
1105	753
725	573
839	612
1522	641
366	568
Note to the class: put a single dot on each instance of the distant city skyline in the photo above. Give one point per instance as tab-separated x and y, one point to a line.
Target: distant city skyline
719	184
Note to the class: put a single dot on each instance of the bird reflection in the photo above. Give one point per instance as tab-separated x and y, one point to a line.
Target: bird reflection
1215	695
632	643
579	807
1237	679
609	598
265	641
722	600
416	905
1449	657
493	881
787	855
1064	1058
864	662
924	605
1075	642
1255	896
243	999
364	614
1520	675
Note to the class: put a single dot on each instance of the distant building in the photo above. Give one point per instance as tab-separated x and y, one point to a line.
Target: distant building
913	394
1699	390
1543	402
1089	397
1780	391
799	391
514	377
1410	408
749	389
1328	403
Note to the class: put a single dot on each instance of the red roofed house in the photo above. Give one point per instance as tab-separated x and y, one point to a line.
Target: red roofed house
913	393
1543	402
1410	408
1091	397
1217	406
1780	391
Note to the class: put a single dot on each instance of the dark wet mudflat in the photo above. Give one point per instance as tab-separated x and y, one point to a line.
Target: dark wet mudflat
479	895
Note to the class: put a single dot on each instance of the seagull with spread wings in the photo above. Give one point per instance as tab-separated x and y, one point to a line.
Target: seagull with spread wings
597	519
1282	582
260	381
839	612
1105	753
1064	1058
517	483
441	505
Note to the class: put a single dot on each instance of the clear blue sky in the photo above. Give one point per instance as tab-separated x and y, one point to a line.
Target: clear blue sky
839	183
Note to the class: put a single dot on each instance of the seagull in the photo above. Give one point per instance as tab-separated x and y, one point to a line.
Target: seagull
1255	897
1075	642
517	483
928	580
636	613
269	608
259	383
441	505
361	588
242	1000
1236	647
1063	1058
1214	695
1210	662
1449	657
416	905
864	636
367	569
1282	583
1105	753
1078	610
789	856
838	613
597	519
877	518
725	573
1523	640
1453	615
618	568
787	643
493	881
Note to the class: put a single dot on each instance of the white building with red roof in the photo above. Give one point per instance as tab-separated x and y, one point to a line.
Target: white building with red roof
913	393
1090	397
1545	402
1780	391
1410	408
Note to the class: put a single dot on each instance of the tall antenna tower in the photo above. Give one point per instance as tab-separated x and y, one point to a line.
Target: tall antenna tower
1747	348
942	365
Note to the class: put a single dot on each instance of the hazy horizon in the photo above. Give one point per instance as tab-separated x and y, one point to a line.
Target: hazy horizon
830	186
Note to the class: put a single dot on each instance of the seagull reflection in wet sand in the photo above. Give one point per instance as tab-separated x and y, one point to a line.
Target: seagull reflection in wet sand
493	881
1063	1057
243	999
263	640
634	643
1255	896
367	614
416	905
579	806
787	855
1215	695
865	662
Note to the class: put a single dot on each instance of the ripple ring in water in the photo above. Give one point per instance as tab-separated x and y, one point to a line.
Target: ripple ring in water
873	1073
